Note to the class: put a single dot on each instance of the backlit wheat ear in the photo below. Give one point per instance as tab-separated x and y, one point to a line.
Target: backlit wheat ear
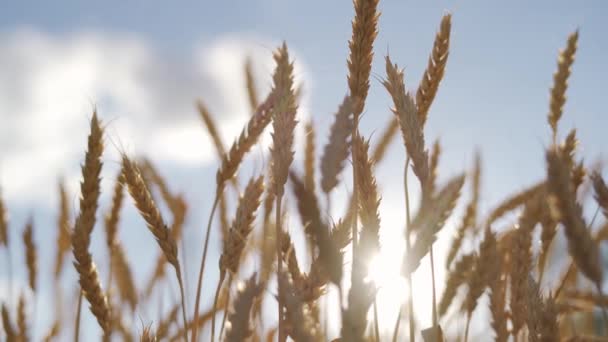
483	272
149	211
337	149
113	216
369	201
583	250
9	329
456	277
283	121
63	230
601	192
234	244
317	231
409	121
364	32
252	93
514	201
309	156
246	140
31	255
470	217
430	220
386	137
211	128
498	298
83	227
434	71
239	318
560	82
299	323
3	223
21	319
521	263
124	277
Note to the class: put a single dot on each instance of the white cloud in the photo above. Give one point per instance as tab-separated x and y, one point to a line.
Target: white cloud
49	85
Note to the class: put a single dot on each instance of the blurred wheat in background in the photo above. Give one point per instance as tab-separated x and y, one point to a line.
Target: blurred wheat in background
300	255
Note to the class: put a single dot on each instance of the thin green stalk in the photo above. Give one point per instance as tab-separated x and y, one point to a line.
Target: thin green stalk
202	270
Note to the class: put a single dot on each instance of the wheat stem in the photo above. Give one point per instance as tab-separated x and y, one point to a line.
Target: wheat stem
77	324
433	293
376	328
466	329
217	294
225	315
202	268
408	246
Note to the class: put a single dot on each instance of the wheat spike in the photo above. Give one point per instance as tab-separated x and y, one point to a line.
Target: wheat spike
434	71
560	82
337	149
387	136
429	221
124	277
248	137
456	277
483	271
234	244
309	156
521	263
31	254
513	202
498	292
252	93
470	217
211	128
63	230
369	200
601	192
83	227
9	330
283	120
113	216
583	250
409	121
22	320
364	32
239	318
300	324
317	231
3	223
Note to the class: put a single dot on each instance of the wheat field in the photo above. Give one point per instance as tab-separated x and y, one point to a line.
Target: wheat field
503	271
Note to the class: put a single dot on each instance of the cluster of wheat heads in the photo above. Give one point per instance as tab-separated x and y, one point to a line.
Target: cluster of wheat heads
507	264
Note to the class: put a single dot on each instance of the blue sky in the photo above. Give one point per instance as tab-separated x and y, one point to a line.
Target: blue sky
143	63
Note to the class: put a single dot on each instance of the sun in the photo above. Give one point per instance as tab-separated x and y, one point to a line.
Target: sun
384	270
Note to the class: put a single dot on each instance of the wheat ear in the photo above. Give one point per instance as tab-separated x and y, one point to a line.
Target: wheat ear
21	319
337	149
252	93
31	254
211	128
227	170
149	211
239	317
560	82
63	230
434	71
601	192
456	277
83	227
234	243
9	329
